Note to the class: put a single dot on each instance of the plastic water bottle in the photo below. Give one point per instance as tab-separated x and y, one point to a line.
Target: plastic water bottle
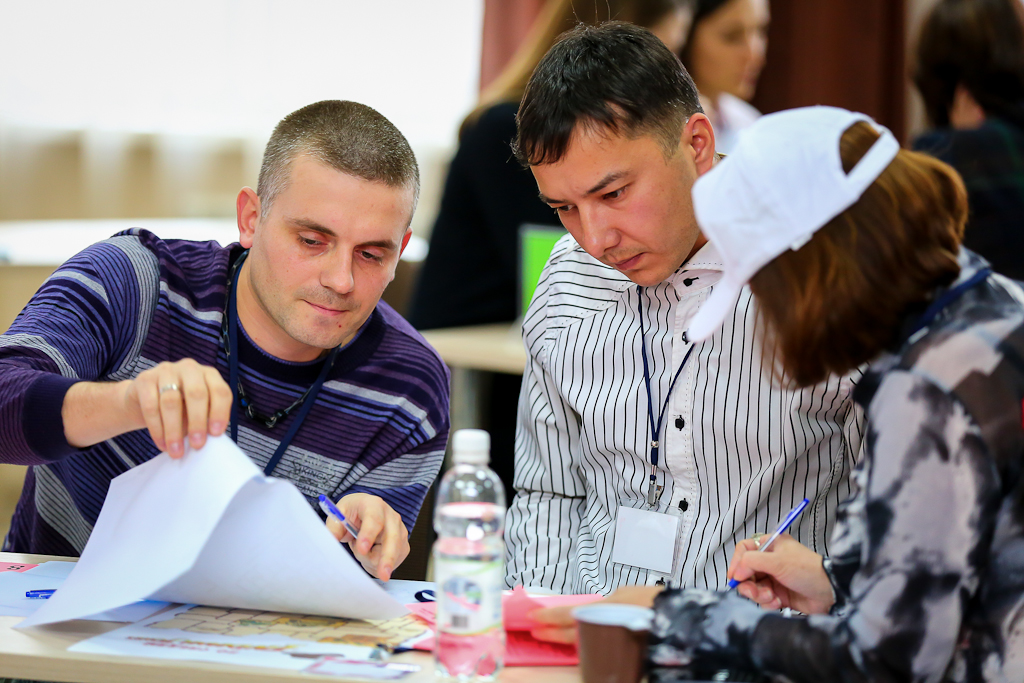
469	519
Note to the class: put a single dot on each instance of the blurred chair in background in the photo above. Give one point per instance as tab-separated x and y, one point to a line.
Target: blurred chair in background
470	276
724	53
970	72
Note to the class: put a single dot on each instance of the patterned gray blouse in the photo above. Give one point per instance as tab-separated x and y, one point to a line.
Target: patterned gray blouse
928	555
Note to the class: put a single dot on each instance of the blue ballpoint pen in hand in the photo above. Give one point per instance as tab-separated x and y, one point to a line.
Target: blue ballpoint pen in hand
331	510
790	518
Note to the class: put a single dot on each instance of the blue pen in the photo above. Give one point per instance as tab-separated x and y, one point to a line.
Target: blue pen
329	509
40	594
790	518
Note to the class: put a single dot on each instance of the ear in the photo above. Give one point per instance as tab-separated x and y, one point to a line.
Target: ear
405	241
247	209
699	136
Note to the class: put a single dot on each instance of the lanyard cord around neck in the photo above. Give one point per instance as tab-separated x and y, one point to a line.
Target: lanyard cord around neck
947	298
235	381
654	491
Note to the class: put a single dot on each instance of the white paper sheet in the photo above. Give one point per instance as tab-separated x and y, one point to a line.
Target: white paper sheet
210	529
13	602
54	568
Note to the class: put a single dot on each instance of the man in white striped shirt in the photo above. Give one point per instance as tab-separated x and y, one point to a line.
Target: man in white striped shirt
613	130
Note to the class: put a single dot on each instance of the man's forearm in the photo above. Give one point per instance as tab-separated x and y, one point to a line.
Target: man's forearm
96	411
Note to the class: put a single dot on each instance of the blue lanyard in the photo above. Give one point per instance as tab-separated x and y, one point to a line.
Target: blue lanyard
654	491
946	299
233	378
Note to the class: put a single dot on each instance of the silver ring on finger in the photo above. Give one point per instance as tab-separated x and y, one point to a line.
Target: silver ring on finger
169	387
757	540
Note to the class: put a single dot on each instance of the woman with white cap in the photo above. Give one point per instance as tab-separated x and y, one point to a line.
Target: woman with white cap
852	248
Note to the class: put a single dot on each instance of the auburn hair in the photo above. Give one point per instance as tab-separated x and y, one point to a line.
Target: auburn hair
843	297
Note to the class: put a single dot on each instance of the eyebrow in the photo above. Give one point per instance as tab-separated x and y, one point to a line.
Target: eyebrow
313	225
603	183
391	245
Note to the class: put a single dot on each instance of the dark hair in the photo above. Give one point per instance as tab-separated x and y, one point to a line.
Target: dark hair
841	299
976	43
615	76
347	136
701	10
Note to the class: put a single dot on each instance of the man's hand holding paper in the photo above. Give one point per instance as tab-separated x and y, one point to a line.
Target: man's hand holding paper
171	400
175	399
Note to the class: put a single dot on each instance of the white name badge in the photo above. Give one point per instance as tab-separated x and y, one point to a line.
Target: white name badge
644	538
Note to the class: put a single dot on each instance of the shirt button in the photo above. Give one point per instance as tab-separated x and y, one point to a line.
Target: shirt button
680	423
683	505
689	280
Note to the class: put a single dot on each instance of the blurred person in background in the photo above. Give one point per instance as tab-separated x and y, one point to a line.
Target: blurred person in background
970	72
471	272
724	53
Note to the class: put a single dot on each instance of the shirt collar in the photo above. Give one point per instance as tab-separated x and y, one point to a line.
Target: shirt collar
703	269
706	258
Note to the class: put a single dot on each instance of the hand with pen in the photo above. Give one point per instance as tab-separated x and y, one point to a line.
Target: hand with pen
373	531
786	574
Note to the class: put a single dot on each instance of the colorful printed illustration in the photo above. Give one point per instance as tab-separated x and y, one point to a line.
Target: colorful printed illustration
243	622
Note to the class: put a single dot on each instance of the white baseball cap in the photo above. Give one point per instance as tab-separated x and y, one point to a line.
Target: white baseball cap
783	182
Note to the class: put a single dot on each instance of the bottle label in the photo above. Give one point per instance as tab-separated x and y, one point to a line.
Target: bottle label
469	595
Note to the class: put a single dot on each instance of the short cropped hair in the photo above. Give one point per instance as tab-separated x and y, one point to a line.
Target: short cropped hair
841	299
615	76
346	136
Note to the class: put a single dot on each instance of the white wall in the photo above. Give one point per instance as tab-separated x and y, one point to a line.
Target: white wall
233	68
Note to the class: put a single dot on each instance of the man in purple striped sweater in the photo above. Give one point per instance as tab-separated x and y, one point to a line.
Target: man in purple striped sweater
137	344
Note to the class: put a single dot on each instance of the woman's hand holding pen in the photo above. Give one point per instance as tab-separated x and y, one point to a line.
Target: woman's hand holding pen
787	574
383	541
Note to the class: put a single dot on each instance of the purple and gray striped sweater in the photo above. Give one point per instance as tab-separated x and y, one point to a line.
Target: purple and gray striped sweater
123	305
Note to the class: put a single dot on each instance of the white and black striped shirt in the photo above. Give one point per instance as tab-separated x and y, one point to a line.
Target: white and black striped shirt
738	450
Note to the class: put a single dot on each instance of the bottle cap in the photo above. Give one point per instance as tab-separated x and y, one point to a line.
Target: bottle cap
471	446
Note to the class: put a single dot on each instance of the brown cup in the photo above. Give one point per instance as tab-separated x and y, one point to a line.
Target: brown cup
613	642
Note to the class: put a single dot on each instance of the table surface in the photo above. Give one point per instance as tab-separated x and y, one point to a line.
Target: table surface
42	654
497	348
